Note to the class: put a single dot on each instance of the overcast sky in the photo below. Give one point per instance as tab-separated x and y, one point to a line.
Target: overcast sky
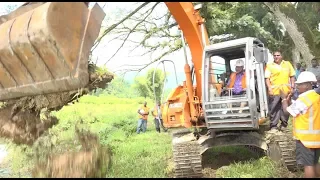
106	48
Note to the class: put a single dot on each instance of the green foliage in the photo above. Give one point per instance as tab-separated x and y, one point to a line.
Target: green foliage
145	87
158	83
120	88
101	70
140	85
242	19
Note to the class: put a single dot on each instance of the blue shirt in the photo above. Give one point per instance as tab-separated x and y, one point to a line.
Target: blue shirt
297	73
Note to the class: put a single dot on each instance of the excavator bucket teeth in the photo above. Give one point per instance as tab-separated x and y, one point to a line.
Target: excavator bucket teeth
44	48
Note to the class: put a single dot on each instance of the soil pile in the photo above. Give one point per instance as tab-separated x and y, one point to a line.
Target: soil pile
92	161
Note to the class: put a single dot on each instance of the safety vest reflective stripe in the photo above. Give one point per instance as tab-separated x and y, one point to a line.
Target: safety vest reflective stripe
310	130
275	86
309	137
311	143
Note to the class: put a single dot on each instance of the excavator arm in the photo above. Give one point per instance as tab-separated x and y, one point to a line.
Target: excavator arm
183	108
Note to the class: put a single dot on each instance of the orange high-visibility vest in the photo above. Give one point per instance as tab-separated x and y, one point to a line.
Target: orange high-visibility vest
306	127
155	111
233	80
146	110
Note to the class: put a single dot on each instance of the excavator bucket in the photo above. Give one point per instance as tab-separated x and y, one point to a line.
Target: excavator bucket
45	47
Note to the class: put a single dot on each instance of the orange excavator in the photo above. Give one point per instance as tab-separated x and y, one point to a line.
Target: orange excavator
202	116
45	47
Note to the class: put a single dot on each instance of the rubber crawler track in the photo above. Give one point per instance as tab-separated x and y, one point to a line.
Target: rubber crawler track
287	148
187	159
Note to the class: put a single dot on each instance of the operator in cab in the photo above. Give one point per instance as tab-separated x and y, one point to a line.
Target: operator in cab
279	75
306	123
237	83
143	112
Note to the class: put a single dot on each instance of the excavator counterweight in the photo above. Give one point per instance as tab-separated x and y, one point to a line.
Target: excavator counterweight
44	48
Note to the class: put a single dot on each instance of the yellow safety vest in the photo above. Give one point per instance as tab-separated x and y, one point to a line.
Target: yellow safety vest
306	127
146	110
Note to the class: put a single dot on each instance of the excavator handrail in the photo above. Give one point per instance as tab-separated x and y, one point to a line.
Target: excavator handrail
165	75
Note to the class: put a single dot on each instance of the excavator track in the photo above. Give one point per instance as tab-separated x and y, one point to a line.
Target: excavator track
256	150
187	157
285	145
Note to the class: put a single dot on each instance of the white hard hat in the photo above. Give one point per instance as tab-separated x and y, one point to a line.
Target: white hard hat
239	62
306	76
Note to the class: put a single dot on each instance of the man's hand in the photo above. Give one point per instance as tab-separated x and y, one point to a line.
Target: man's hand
292	90
270	92
283	95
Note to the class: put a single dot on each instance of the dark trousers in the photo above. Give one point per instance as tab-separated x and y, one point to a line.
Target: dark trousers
158	123
276	112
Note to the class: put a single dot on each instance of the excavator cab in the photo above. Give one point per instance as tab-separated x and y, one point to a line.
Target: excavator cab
225	110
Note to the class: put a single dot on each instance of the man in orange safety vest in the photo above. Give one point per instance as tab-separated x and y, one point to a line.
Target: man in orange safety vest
306	123
237	83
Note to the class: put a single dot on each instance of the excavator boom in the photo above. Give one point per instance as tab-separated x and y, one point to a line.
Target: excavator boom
190	22
44	48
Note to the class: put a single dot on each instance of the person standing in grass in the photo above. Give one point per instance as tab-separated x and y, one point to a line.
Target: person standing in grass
143	112
156	112
306	123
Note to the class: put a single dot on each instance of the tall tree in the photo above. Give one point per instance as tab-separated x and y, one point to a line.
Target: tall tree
301	22
145	87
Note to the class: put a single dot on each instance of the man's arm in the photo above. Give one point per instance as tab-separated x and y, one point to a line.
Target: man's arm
292	76
296	108
140	112
147	113
285	102
267	75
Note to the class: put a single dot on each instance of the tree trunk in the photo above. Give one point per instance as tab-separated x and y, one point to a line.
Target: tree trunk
295	55
297	29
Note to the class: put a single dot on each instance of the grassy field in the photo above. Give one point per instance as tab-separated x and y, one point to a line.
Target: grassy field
114	120
134	155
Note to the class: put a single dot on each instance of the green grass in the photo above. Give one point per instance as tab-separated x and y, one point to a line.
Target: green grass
114	120
145	155
238	162
260	168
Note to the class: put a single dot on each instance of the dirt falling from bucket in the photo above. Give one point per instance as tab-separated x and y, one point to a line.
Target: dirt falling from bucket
92	161
25	119
23	127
